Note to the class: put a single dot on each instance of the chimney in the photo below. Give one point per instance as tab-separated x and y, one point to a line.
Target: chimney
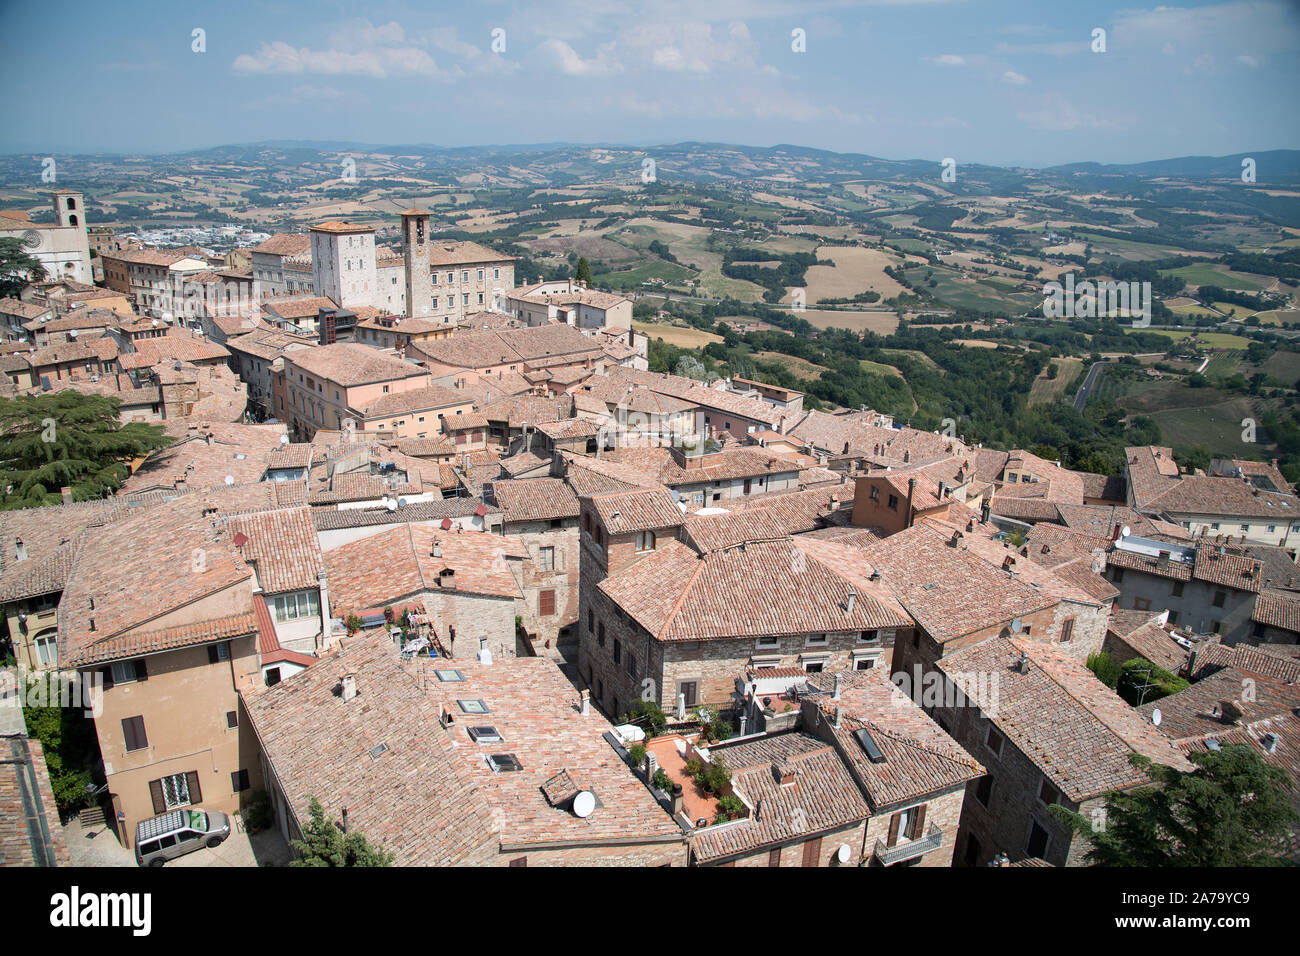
985	510
66	492
1230	711
584	703
839	680
349	687
1022	665
344	826
837	718
853	599
323	586
676	798
911	490
1270	739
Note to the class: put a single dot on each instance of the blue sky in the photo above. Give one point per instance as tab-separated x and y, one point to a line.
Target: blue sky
991	81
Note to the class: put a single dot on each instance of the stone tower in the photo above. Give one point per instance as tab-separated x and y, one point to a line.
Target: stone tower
67	208
415	248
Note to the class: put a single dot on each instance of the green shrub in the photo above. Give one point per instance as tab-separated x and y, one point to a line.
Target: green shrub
713	777
1104	666
730	807
1141	682
257	813
636	755
663	781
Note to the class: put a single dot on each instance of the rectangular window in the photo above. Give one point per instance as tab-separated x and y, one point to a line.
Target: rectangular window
631	664
984	790
1219	598
546	603
176	790
232	718
893	502
292	607
546	558
690	690
1178	589
618	650
994	741
1067	630
601	637
133	732
1047	793
239	781
1037	846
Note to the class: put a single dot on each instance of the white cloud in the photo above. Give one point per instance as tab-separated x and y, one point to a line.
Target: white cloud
1054	112
560	56
946	59
1014	78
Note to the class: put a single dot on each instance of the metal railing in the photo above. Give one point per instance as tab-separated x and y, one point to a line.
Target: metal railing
912	848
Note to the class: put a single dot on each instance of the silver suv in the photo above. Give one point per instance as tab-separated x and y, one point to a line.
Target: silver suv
174	834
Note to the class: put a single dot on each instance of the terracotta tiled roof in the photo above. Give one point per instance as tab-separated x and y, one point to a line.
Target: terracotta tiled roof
138	642
642	510
764	588
1281	661
1074	728
283	545
535	499
397	564
331	520
1277	609
348	364
1197	711
285	244
415	400
409	799
464	252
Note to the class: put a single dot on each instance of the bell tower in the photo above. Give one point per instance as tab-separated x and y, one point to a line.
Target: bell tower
415	248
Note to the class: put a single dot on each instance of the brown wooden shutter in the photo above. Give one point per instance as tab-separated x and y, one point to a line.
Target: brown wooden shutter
547	602
894	822
1067	629
812	851
774	857
141	671
192	784
155	791
918	823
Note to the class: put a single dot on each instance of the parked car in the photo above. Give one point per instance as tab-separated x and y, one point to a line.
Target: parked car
169	835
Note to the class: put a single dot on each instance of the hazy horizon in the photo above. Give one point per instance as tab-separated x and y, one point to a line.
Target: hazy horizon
1002	83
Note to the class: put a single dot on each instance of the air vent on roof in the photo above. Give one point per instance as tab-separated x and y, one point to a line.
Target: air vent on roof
486	735
377	751
869	746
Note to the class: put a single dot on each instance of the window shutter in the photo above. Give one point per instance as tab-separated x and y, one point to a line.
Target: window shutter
812	851
192	784
918	825
107	673
155	791
547	602
894	823
141	671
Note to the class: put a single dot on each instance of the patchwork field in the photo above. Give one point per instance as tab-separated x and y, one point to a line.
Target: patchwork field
682	337
1046	390
856	270
882	323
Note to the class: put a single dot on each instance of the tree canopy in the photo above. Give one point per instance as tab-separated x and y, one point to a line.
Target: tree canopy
325	844
17	268
67	439
1232	810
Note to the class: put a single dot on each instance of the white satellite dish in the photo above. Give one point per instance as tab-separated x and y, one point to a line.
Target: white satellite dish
1156	716
401	502
284	439
843	853
1017	625
390	504
584	803
230	479
1125	531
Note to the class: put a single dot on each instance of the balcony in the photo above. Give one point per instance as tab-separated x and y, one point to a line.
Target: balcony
889	855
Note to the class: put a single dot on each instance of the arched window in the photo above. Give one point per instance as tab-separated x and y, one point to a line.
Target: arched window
72	203
72	220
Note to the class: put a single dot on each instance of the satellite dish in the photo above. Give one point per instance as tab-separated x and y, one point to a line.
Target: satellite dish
1017	625
1156	716
584	803
1125	531
401	502
230	479
390	504
284	439
843	853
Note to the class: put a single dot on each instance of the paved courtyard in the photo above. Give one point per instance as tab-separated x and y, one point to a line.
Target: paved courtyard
98	846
